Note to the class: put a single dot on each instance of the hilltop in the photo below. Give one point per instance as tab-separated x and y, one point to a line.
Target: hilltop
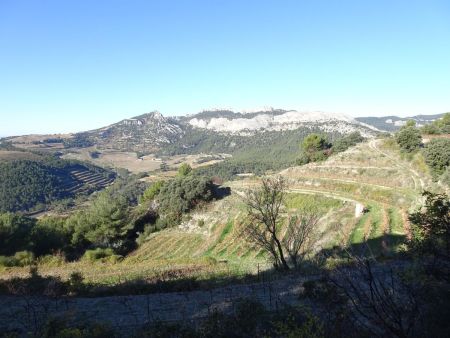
152	132
393	123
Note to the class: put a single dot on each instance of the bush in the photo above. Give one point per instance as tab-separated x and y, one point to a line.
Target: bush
181	195
437	156
184	170
7	261
151	192
346	142
75	282
49	235
52	260
20	258
24	258
409	138
14	233
97	254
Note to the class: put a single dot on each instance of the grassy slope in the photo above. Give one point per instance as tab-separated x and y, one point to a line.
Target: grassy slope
368	174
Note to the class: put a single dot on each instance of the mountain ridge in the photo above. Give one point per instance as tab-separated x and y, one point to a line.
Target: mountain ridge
392	123
152	131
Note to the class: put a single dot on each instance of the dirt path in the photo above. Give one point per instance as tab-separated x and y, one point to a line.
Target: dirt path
419	183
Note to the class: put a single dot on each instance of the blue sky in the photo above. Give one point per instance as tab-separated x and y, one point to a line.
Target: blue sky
75	65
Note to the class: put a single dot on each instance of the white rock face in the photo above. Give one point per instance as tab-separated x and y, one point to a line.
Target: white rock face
287	121
399	123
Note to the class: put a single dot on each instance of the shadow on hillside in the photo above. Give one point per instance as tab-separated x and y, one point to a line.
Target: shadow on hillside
192	279
383	246
170	281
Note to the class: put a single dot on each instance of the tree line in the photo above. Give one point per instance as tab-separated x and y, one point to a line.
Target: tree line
114	222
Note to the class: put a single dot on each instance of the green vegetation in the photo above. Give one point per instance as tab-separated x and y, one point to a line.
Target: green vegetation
20	258
105	223
80	140
29	185
316	147
151	192
184	170
24	184
182	194
436	153
437	156
439	126
409	138
14	233
311	203
345	142
432	226
259	155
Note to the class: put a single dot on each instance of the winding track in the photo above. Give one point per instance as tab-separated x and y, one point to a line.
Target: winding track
401	165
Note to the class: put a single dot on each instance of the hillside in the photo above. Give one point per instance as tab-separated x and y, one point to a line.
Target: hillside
208	130
31	181
363	196
393	123
147	133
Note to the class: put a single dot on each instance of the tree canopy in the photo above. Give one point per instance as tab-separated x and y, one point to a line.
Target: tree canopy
437	156
409	138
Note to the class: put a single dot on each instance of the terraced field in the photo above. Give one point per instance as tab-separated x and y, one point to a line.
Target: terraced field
85	180
363	196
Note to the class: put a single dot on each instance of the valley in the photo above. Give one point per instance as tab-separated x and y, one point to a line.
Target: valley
367	176
224	169
112	229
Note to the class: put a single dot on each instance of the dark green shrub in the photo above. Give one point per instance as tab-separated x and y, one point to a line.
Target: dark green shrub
437	156
409	139
342	144
14	233
181	195
75	282
49	235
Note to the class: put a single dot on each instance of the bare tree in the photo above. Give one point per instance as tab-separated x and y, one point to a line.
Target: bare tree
299	237
264	211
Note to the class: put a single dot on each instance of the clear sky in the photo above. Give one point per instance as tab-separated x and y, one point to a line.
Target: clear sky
75	65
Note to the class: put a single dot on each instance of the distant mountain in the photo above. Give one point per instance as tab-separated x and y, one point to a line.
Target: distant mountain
148	132
273	120
393	123
212	129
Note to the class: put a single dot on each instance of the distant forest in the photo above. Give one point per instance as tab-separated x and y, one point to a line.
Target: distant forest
29	185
